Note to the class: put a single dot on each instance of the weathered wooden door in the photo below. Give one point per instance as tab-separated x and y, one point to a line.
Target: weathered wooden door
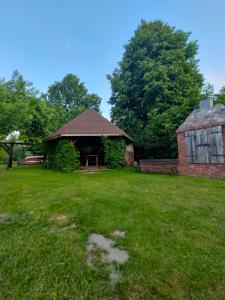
205	145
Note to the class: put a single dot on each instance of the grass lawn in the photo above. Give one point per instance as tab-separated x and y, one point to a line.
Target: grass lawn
175	235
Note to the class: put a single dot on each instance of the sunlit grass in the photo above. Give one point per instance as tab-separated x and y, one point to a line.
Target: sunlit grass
175	235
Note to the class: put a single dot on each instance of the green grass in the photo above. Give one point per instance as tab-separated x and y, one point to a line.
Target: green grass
175	235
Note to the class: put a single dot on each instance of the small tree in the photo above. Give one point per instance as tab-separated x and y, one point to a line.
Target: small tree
63	158
114	152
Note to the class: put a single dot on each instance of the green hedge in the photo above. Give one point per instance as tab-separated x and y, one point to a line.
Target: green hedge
62	157
114	150
19	152
49	153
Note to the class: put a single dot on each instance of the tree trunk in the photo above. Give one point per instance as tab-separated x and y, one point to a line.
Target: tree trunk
10	159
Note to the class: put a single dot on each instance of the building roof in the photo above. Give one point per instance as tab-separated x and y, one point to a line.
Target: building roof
89	123
204	118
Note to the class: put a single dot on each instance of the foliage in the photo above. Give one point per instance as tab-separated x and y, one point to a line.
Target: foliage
68	98
207	91
157	76
49	154
19	152
220	98
23	110
160	133
3	156
38	121
64	157
114	150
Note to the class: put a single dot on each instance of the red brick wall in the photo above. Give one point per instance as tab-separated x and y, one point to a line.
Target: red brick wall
129	155
129	159
159	166
202	170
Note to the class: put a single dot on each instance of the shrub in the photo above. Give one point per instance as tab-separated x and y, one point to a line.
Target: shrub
49	153
3	156
62	157
19	152
114	152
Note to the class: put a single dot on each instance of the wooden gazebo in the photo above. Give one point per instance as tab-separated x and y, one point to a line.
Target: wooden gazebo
85	131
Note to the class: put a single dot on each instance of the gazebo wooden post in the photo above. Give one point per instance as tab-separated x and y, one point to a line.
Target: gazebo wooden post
8	148
10	159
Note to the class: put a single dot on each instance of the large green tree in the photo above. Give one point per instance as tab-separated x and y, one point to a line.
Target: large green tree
70	97
155	86
22	110
12	103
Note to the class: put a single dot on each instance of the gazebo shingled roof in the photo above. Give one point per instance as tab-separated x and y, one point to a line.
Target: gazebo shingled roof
88	123
204	118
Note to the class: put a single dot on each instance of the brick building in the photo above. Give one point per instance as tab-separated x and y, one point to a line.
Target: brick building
201	142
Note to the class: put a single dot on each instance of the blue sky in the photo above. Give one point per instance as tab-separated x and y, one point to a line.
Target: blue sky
46	39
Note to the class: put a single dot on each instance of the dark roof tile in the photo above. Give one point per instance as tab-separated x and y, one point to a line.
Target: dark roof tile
204	118
89	123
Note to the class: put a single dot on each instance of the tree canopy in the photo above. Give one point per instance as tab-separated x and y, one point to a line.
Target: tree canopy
70	97
220	97
23	110
155	86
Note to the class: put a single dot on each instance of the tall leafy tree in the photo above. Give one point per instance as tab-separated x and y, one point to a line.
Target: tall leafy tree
13	102
39	118
22	110
155	86
70	97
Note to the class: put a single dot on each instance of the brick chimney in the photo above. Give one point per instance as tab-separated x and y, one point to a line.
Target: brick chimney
206	104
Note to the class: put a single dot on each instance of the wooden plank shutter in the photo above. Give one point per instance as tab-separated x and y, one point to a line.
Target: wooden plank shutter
190	138
216	146
202	146
205	145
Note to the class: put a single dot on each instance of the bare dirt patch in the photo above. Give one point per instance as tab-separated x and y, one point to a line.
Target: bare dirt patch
118	233
60	218
111	255
62	229
4	217
61	223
